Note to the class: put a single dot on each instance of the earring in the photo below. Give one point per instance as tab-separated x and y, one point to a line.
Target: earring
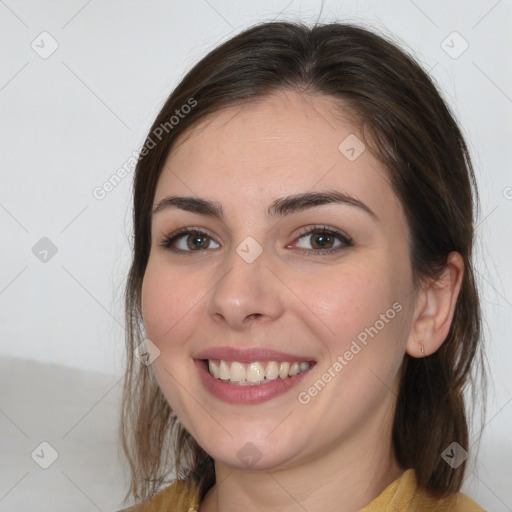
422	347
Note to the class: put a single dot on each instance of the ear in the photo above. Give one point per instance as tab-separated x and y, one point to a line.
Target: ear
434	309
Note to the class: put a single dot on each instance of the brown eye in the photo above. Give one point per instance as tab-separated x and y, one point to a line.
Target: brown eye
197	241
322	240
189	240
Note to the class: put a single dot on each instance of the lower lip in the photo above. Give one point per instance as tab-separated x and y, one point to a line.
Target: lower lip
255	394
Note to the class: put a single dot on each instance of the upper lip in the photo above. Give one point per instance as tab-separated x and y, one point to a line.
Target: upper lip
249	355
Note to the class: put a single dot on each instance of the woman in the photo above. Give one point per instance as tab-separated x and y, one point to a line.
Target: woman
302	277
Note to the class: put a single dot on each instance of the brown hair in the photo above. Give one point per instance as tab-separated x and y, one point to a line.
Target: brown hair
412	131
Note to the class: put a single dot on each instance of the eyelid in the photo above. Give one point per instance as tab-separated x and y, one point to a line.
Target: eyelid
323	228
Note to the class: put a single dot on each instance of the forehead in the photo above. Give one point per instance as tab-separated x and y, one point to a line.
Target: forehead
283	144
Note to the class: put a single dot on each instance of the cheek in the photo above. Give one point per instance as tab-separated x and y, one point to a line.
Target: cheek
362	329
168	299
349	300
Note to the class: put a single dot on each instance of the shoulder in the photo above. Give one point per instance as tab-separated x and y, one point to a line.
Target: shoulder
181	495
405	495
455	503
465	504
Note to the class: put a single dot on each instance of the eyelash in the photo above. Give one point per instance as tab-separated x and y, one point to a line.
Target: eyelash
345	240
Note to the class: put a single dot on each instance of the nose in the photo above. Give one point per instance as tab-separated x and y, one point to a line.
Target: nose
247	293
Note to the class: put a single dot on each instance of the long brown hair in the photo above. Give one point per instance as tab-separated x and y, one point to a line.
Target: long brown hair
411	130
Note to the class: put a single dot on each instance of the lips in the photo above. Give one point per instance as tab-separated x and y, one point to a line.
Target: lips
249	355
250	375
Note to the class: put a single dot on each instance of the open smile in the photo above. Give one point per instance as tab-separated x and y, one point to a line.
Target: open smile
250	376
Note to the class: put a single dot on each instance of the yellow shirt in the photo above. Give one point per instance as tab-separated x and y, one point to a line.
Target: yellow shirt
402	495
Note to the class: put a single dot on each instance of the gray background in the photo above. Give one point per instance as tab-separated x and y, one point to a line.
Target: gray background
72	117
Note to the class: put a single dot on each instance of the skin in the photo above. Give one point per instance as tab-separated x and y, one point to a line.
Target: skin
333	453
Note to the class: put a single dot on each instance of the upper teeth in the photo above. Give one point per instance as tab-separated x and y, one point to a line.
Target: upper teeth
254	373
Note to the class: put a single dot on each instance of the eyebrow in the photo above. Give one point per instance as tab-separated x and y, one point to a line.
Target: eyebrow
279	208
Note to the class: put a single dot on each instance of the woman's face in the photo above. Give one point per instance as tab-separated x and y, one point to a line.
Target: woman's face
301	255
